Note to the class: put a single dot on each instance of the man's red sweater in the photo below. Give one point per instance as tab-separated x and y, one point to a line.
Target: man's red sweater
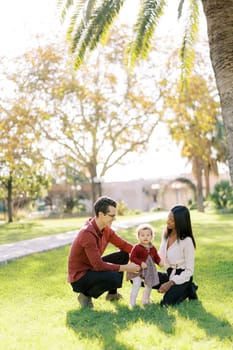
88	247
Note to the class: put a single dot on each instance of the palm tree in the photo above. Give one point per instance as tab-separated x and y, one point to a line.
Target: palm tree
91	20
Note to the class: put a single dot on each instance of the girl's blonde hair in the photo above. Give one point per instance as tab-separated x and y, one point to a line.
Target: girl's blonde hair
145	227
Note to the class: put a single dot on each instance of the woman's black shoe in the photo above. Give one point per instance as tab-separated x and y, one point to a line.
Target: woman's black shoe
192	291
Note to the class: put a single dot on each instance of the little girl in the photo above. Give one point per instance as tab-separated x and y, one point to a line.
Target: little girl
145	255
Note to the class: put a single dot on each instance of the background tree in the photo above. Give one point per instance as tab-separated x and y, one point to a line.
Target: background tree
69	190
91	20
195	127
21	161
94	116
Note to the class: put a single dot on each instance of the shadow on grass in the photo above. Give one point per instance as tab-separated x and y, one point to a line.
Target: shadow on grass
105	325
212	325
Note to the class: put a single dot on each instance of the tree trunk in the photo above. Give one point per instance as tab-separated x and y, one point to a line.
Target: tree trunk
9	199
207	181
198	175
220	32
96	189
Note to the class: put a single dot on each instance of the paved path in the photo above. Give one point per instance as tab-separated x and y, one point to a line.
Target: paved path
20	249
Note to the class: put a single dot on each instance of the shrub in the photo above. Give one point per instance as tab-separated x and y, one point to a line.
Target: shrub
121	208
222	197
134	212
155	209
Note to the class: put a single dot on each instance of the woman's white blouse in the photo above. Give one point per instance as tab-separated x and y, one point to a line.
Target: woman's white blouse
180	255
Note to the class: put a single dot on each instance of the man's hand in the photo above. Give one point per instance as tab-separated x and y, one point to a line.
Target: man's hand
131	267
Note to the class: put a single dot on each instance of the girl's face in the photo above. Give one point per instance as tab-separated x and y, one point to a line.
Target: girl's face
145	236
170	221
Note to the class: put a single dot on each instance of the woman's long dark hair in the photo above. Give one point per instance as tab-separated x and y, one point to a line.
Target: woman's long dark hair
182	222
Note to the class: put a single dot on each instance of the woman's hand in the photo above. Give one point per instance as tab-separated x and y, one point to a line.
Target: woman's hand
166	286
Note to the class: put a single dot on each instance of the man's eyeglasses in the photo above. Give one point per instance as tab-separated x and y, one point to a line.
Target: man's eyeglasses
111	215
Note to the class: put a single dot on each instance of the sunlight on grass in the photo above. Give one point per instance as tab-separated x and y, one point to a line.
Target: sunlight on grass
18	231
38	309
145	334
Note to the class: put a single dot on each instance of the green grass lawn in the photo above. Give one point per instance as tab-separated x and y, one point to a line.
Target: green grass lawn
28	229
38	309
18	231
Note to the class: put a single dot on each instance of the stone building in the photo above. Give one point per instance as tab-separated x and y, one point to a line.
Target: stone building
141	194
161	192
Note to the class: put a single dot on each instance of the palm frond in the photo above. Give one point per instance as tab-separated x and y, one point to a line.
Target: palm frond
88	10
64	6
187	51
89	34
77	31
70	30
180	8
103	19
148	18
81	7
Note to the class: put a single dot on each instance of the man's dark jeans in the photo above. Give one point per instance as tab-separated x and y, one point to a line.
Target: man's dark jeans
95	283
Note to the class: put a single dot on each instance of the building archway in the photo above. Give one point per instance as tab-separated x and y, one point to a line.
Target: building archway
179	190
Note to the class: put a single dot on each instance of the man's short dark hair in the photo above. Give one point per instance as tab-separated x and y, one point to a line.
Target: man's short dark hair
102	205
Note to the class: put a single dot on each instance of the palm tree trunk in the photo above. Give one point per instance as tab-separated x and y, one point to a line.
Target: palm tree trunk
220	32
